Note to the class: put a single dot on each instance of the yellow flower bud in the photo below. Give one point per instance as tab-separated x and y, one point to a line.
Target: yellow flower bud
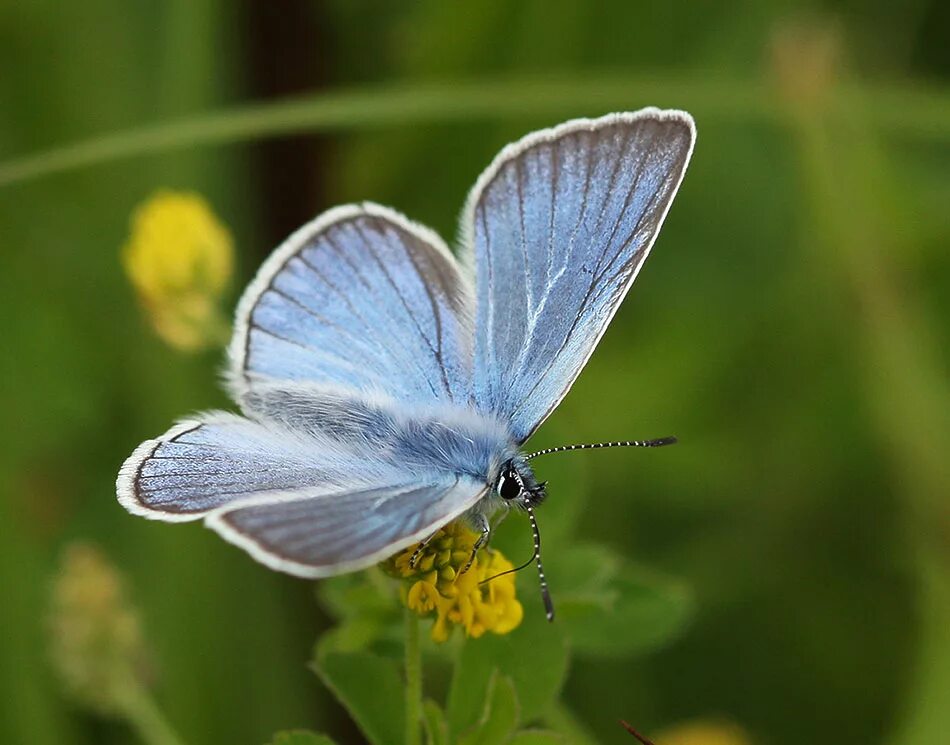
180	258
703	733
438	585
96	640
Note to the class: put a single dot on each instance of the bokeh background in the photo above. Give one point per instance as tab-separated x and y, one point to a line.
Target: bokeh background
792	327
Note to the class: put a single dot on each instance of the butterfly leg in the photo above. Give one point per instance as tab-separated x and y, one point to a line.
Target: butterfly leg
419	549
480	523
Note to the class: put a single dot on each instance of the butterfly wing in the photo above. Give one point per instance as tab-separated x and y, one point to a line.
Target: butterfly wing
357	330
343	532
220	459
303	501
559	225
351	354
359	298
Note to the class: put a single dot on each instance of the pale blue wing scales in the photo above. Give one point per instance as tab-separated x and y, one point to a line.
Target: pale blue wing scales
360	298
351	530
559	226
439	437
220	459
344	481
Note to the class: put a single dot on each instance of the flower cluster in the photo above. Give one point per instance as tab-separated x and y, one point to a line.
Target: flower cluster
179	257
436	584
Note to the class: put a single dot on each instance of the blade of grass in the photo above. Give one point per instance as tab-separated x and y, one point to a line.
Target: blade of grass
845	172
923	113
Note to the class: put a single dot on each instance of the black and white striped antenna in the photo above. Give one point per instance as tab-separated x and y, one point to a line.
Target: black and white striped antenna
536	536
545	593
657	443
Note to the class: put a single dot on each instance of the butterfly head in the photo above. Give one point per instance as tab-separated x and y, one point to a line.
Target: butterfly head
517	485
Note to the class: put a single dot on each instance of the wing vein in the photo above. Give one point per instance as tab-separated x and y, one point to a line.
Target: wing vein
402	299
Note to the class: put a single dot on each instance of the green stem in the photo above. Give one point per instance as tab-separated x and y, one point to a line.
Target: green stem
146	718
925	717
919	112
413	680
865	242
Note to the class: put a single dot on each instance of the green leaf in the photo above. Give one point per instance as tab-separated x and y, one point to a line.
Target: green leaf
643	613
353	635
500	717
581	568
371	690
537	737
356	594
365	607
533	656
300	737
610	606
566	724
433	718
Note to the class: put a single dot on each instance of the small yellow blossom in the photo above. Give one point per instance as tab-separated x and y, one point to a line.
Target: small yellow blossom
703	732
179	257
96	640
436	584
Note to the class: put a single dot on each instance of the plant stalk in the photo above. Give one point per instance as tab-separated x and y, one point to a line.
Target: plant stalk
413	680
921	113
146	718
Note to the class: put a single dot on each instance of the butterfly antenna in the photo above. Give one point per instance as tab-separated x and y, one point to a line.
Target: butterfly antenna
636	734
657	443
545	593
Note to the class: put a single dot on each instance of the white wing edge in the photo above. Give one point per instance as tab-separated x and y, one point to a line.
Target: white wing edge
237	349
215	521
125	482
466	237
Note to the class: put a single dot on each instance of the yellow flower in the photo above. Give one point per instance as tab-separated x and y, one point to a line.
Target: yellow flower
179	257
436	585
96	639
703	732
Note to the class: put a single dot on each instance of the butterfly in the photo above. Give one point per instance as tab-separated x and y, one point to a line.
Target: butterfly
386	387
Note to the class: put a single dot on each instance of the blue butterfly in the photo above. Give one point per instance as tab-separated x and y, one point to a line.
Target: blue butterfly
387	387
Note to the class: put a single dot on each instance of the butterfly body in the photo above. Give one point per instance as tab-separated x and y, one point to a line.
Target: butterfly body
387	388
433	443
425	437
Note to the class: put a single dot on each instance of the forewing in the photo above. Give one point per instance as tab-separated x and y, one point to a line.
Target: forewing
559	225
342	532
359	298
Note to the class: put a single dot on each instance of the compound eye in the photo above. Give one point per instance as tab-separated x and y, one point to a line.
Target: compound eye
508	487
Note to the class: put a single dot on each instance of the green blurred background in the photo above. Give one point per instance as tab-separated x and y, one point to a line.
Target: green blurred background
791	327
